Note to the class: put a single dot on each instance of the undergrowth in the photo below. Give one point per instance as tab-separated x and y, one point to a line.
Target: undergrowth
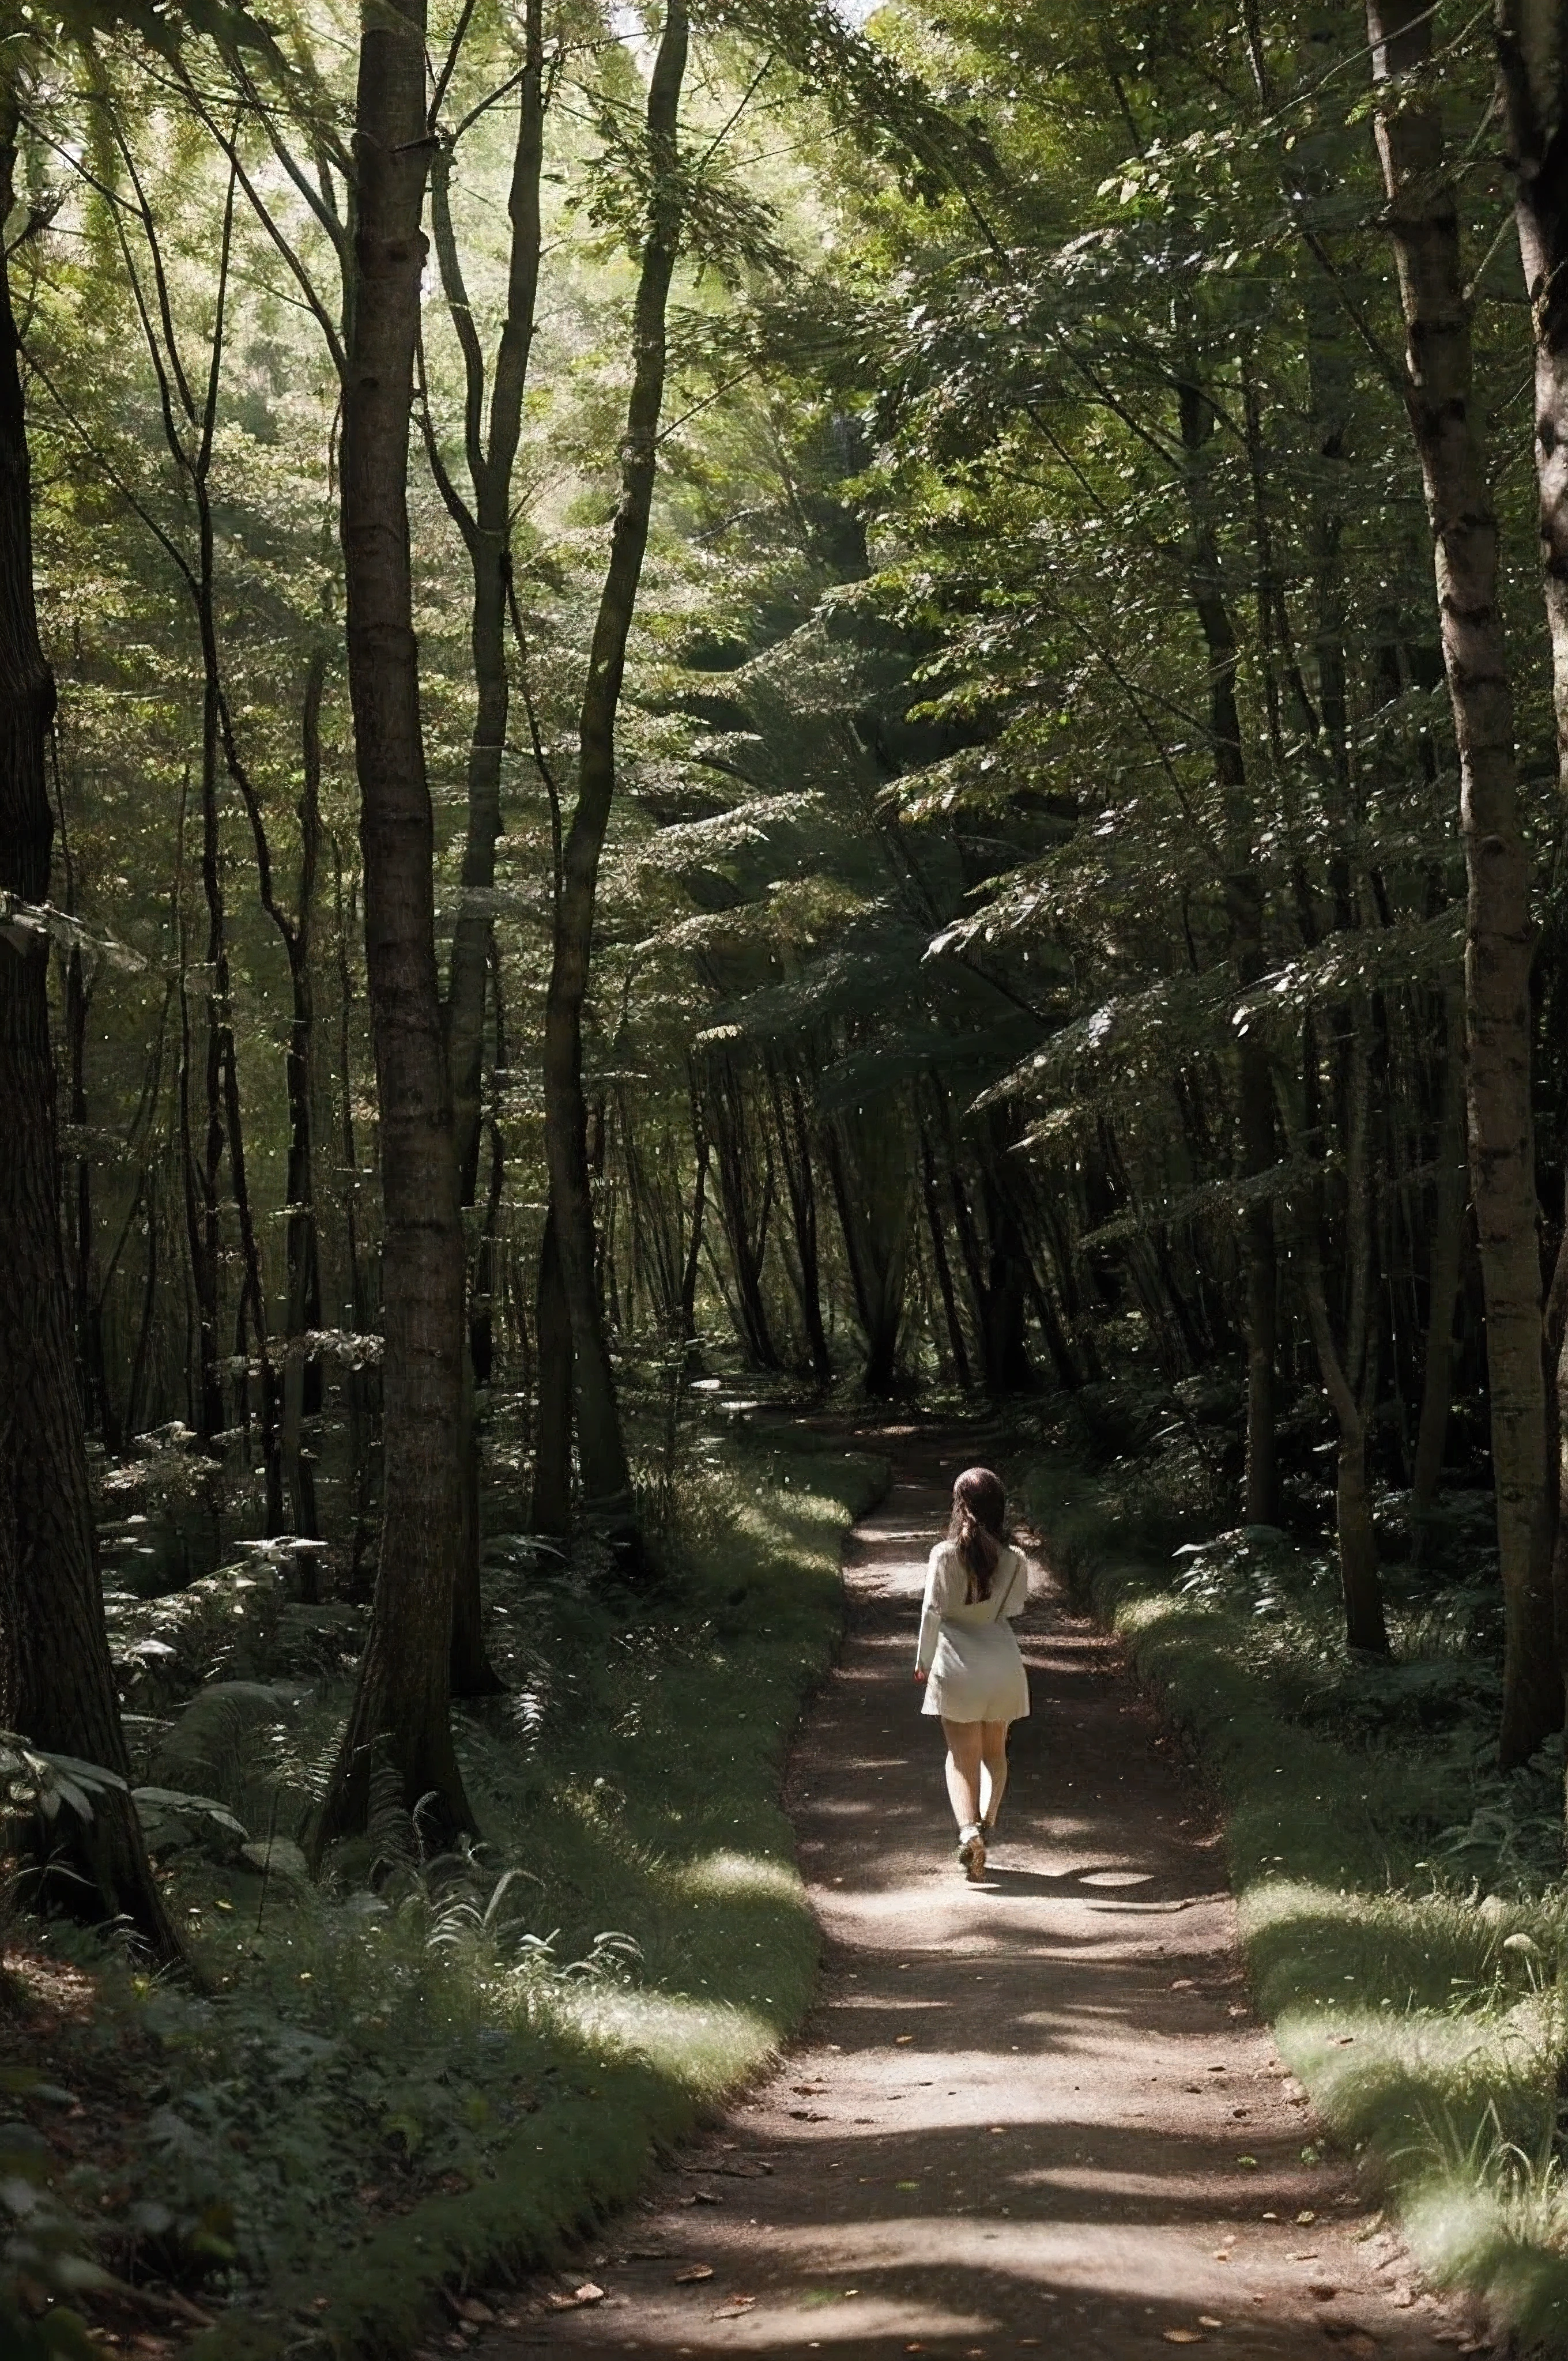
424	2065
1401	1901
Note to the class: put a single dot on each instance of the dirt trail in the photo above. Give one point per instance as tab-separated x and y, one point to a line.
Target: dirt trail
1034	2113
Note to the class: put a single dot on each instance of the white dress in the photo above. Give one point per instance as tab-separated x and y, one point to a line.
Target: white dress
970	1651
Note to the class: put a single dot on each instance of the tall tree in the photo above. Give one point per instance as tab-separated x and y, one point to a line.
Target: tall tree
601	1447
1532	50
484	521
1423	223
57	1685
401	1703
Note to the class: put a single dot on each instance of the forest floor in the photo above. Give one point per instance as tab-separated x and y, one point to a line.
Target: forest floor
1036	2112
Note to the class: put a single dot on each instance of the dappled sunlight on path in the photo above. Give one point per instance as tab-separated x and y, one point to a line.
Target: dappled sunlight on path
1030	2114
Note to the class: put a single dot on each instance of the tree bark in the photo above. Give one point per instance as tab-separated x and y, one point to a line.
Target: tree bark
940	1263
550	1511
1348	1364
57	1685
1532	52
1244	912
401	1702
793	1129
1423	222
486	532
1445	1254
602	1448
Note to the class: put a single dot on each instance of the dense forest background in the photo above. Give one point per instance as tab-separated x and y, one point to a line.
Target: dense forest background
725	696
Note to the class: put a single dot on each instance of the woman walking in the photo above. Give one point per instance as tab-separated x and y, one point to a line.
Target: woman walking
968	1657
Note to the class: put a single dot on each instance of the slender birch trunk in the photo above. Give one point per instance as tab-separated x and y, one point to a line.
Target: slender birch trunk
602	1448
1423	223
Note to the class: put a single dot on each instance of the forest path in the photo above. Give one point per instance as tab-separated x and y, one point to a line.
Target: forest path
1031	2112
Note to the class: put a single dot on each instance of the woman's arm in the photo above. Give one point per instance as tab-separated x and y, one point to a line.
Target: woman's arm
930	1615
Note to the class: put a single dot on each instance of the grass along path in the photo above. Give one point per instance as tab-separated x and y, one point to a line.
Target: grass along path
1400	1902
1037	2112
401	2083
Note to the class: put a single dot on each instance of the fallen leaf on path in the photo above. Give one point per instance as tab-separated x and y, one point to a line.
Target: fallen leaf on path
692	2273
1305	2216
1183	1984
907	2184
736	2309
1183	2336
586	2293
1249	2162
902	2039
1207	2320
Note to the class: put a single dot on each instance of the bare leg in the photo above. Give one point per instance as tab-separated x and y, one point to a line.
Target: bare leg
994	1768
963	1771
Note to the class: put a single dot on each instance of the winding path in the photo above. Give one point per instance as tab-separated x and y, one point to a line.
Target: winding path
1033	2113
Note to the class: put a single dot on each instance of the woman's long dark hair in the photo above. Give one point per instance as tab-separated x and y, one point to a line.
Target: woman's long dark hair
979	1527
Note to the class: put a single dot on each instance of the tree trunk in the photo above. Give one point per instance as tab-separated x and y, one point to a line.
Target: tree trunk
473	1674
940	1263
694	1242
1423	221
487	530
57	1685
1244	913
401	1702
793	1129
1444	1255
1360	1582
301	1378
743	1169
550	1511
1348	1364
1532	53
606	1472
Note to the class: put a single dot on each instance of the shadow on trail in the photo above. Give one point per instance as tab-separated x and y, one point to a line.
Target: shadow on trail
1031	2111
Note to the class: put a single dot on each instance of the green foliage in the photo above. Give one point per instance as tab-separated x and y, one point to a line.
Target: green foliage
46	2262
430	2060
